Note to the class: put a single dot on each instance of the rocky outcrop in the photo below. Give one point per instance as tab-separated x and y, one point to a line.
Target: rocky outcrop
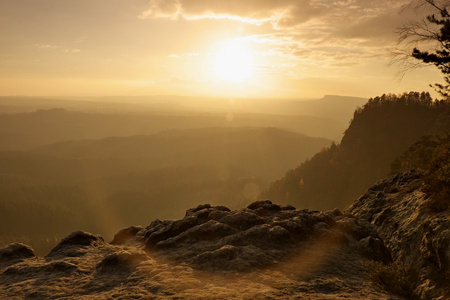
263	251
417	236
74	244
215	238
125	234
14	253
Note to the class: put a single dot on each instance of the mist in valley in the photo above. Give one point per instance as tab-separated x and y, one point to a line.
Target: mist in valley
102	164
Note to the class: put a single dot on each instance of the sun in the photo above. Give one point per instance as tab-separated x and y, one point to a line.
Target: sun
234	62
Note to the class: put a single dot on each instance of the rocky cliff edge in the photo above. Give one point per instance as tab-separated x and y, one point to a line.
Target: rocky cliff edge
388	245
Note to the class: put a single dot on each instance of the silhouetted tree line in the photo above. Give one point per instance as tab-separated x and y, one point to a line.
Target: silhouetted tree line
380	131
411	99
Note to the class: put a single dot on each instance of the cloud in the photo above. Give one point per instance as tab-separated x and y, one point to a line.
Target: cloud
246	11
299	27
281	13
324	52
249	11
162	9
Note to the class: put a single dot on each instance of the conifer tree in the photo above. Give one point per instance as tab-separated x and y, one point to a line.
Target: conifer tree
433	35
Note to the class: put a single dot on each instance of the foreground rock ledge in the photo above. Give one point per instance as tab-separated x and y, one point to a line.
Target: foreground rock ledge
263	234
264	251
417	236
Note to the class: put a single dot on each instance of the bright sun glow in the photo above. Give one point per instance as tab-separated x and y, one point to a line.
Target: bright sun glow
234	62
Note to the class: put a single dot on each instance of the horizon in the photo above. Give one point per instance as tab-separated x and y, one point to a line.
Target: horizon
94	98
277	50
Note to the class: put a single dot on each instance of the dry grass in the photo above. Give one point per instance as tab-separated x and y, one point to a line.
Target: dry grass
393	277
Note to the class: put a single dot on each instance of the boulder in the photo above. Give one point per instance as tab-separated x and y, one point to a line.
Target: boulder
125	235
120	262
416	236
213	237
15	252
74	242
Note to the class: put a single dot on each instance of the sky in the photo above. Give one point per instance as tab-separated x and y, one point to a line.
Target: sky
232	48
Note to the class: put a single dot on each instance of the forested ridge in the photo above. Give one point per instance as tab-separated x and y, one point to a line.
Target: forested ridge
380	131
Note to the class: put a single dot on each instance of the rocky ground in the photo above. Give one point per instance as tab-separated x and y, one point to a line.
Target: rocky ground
417	235
386	240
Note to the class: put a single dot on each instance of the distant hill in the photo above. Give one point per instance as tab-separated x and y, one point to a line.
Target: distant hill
25	131
379	132
62	119
67	185
339	108
268	152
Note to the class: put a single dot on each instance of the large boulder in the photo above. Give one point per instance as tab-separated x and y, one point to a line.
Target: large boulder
15	252
74	243
418	237
263	233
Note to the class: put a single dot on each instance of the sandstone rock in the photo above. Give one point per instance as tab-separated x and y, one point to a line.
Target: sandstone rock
15	252
243	219
354	228
60	266
260	235
416	237
71	244
210	231
213	237
264	251
120	262
264	206
23	271
168	229
125	235
374	248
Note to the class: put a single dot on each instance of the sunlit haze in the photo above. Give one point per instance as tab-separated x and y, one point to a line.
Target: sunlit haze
296	49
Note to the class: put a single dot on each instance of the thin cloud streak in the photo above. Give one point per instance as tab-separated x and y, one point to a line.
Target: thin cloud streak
300	28
281	14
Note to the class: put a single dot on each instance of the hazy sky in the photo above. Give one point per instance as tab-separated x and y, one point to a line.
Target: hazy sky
229	48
